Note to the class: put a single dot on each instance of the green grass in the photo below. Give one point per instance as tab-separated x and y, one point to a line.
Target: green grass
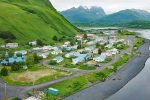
125	32
124	59
86	67
29	20
138	42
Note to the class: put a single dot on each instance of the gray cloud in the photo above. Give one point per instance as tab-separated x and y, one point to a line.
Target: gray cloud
109	5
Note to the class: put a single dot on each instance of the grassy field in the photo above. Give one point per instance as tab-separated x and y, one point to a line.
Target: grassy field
28	19
34	76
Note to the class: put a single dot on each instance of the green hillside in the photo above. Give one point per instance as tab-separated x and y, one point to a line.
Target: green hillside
28	20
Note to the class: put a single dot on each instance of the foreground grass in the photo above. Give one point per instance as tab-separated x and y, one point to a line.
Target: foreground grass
70	86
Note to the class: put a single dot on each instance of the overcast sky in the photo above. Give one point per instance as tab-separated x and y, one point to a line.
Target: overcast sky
109	6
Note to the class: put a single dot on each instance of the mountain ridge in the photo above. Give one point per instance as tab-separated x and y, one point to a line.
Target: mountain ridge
83	14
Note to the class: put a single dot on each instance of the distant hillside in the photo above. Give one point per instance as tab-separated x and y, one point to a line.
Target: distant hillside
28	20
83	14
124	16
136	24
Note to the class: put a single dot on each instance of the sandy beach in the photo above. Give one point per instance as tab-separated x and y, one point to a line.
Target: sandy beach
102	91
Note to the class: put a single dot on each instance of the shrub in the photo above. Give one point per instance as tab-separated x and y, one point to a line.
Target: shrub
40	43
7	36
4	72
52	62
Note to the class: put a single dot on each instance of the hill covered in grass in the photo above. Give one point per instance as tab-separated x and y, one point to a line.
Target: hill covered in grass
27	20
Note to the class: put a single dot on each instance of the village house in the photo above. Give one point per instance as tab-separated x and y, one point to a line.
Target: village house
43	55
91	35
37	49
100	58
80	58
13	60
113	51
67	43
72	54
79	36
58	59
47	48
89	49
91	42
22	52
109	46
12	45
77	60
95	51
56	52
70	48
33	43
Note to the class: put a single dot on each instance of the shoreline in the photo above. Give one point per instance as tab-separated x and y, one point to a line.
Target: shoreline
104	90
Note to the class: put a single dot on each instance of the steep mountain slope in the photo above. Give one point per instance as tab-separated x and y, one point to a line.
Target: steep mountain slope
29	20
83	14
124	16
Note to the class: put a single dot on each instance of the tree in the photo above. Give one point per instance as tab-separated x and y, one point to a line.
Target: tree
36	58
99	51
52	62
4	72
97	45
16	66
39	42
85	36
55	38
19	55
79	46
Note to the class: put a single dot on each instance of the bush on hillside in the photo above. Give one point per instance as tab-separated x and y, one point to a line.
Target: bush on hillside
7	35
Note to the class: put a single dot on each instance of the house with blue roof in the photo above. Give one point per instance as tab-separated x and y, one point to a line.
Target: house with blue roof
81	58
13	60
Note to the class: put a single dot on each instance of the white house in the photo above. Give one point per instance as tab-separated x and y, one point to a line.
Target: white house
95	51
58	59
114	51
91	35
43	55
89	49
67	43
71	54
79	36
109	46
33	43
56	52
78	60
91	43
12	45
37	49
23	52
100	58
47	48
